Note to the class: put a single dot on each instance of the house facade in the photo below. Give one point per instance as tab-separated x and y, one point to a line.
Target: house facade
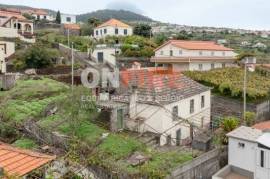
14	25
168	105
180	55
6	50
105	53
249	154
38	14
68	19
112	27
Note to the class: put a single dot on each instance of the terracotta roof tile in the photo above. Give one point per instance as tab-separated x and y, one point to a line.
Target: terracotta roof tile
72	26
196	45
9	14
115	23
20	162
262	125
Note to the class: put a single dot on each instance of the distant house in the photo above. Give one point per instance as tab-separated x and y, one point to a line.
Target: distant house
68	19
38	14
112	27
15	162
6	50
245	43
72	29
181	55
105	53
259	45
14	25
249	155
154	100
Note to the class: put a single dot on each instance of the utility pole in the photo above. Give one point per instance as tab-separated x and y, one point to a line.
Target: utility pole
245	92
72	67
68	40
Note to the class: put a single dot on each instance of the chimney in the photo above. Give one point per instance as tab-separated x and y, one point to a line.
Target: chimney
133	103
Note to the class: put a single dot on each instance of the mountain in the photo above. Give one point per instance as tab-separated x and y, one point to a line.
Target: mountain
107	14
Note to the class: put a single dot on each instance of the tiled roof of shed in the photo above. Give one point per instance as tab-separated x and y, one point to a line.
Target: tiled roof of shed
18	162
245	133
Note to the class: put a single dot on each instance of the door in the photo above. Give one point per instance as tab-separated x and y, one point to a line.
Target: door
120	119
169	140
100	57
178	137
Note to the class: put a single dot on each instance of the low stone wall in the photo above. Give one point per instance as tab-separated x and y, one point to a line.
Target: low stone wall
222	106
203	167
125	62
54	70
7	81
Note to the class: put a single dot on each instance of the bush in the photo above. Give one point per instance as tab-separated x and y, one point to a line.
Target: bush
250	118
229	124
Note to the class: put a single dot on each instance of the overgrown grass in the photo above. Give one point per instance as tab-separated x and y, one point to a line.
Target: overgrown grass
25	143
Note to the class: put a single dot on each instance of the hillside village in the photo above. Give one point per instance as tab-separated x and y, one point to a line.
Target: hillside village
110	98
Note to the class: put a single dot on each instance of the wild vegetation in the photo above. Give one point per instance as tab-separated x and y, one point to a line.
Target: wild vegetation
31	98
229	82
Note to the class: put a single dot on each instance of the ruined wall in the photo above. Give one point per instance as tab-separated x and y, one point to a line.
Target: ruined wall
222	106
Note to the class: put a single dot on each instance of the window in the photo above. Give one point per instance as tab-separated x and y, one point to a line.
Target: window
116	31
223	53
105	31
68	19
175	112
213	53
200	53
191	108
96	32
161	52
241	145
212	65
100	32
262	159
223	65
202	101
38	17
171	53
180	52
45	17
125	31
200	67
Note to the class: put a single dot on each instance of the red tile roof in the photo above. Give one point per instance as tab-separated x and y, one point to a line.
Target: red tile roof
10	13
262	126
72	26
18	162
196	45
115	23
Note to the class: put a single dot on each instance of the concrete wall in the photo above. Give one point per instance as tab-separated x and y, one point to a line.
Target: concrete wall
222	107
180	52
111	31
202	167
8	32
108	54
243	158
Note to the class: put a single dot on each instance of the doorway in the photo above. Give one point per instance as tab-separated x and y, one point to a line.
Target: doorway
120	119
178	137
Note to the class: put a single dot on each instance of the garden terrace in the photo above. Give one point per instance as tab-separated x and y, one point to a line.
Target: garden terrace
30	98
229	82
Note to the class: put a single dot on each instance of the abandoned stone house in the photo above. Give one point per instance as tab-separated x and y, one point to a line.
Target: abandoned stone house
155	100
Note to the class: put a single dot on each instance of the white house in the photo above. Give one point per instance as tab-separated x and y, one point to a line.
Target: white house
249	155
169	105
68	19
38	14
6	50
104	53
112	27
14	25
181	55
259	45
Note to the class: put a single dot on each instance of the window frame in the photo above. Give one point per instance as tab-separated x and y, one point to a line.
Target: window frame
191	106
116	31
125	31
175	112
202	101
262	160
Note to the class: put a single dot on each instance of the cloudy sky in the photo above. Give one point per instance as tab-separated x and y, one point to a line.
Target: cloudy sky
248	14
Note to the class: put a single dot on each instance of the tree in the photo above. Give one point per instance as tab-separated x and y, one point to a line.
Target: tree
94	22
28	16
58	17
143	30
37	56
